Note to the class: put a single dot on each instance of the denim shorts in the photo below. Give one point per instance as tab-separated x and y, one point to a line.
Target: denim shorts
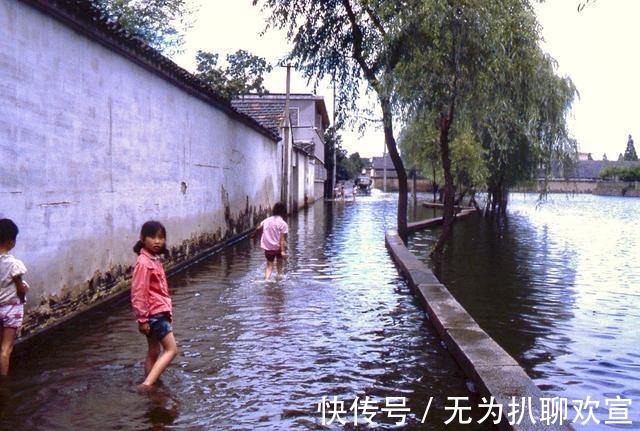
160	325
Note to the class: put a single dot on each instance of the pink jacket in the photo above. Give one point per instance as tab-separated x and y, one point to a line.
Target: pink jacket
149	289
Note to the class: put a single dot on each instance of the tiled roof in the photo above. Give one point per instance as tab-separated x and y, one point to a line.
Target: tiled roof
85	18
321	108
586	169
267	112
379	163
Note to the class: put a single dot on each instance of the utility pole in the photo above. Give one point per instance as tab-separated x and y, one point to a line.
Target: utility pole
335	150
285	195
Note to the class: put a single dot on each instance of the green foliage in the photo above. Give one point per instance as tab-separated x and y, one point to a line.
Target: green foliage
420	147
348	41
243	74
160	23
348	167
623	173
468	163
478	66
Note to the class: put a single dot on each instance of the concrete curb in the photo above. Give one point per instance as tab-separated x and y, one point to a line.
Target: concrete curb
493	371
424	224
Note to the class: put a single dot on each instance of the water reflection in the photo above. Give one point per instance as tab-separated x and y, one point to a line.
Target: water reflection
556	286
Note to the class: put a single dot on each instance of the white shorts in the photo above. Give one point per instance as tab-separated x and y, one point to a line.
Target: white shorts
11	315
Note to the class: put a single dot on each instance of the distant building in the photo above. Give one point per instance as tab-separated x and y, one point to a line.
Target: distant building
309	119
380	165
582	176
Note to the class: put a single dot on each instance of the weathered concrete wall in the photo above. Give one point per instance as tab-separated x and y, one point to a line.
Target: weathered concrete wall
304	189
598	187
422	184
617	188
569	186
558	186
92	145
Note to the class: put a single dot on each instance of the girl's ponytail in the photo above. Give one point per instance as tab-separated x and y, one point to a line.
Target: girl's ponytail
137	248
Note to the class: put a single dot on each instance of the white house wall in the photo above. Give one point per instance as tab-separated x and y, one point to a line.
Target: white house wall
93	145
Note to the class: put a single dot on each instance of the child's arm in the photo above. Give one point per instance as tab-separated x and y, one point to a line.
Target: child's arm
140	296
21	288
258	230
283	244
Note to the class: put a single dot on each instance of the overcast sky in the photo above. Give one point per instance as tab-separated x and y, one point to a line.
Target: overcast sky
597	48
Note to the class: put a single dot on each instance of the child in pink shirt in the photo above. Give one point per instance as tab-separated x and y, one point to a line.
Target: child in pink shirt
274	238
13	290
151	301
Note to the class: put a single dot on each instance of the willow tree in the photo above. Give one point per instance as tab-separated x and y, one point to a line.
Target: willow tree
420	149
456	49
352	41
478	66
523	129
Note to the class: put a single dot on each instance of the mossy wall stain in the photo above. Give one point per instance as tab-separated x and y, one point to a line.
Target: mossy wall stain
107	283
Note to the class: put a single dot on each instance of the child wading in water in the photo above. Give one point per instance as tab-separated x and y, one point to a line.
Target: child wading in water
274	238
151	302
13	291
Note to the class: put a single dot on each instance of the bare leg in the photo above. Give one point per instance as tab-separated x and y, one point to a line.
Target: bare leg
170	350
153	353
279	264
268	270
8	338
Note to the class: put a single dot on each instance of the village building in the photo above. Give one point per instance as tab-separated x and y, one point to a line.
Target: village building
385	177
583	176
302	140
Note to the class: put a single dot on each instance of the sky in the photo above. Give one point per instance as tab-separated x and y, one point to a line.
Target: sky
597	48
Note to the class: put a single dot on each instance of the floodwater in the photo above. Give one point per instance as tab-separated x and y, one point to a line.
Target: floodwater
255	355
558	286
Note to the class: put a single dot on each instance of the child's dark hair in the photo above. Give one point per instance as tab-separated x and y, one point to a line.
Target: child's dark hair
8	230
150	229
279	210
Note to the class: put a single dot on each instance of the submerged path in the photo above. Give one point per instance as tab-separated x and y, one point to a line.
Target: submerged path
254	355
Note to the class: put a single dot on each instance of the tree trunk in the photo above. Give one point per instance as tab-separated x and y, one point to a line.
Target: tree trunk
448	214
472	201
415	187
435	188
403	188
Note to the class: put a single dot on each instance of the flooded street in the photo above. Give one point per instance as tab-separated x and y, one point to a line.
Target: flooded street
253	355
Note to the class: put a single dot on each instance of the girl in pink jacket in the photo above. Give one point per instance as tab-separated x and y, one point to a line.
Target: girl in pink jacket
151	301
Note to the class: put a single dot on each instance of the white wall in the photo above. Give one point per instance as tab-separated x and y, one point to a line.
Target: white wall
92	145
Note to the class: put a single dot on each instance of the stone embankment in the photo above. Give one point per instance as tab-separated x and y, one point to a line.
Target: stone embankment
617	188
493	371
